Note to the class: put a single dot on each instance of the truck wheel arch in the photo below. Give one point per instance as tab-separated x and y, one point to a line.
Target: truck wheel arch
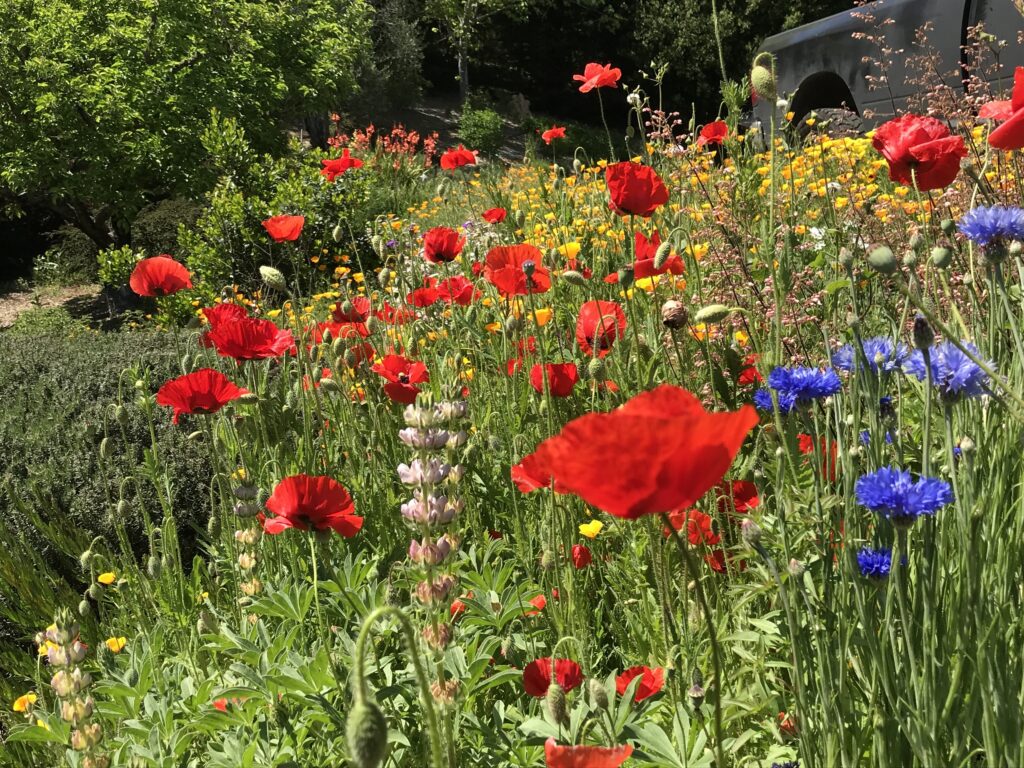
821	90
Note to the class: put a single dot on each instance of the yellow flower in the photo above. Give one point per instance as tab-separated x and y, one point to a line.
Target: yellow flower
569	250
106	579
24	702
591	529
115	644
542	316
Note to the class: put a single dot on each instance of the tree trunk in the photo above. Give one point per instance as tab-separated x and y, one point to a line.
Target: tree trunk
463	74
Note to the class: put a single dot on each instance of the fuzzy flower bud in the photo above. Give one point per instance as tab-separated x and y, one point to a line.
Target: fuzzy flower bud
556	704
367	734
273	278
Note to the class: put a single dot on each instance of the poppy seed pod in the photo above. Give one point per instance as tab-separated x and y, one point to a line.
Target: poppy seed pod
556	704
674	314
882	260
273	278
941	257
910	260
366	734
762	76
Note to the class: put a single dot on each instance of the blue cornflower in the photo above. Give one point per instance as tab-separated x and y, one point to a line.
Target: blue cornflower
954	374
993	225
883	354
885	407
763	400
874	563
865	437
891	493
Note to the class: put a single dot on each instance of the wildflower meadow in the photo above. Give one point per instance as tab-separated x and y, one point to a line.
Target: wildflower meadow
703	450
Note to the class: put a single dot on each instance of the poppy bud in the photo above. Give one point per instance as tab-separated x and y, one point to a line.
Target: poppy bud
121	415
85	559
338	347
557	184
327	337
598	693
371	325
882	260
846	257
577	166
547	560
674	314
94	591
520	218
626	276
512	324
966	445
762	77
337	233
249	398
555	701
122	508
712	313
207	623
273	278
796	568
941	257
195	437
84	608
330	385
910	260
366	734
751	533
378	246
573	277
948	226
924	336
917	241
630	132
106	449
154	567
596	369
661	255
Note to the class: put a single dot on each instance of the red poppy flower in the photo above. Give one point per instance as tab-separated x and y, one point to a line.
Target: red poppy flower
359	312
598	325
402	375
537	676
507	266
560	378
829	452
738	498
456	158
635	189
394	315
539	603
1010	135
333	168
643	266
581	557
318	503
787	724
250	338
442	244
652	681
494	215
531	474
668	450
338	331
713	134
284	228
425	295
457	290
159	276
920	148
224	313
202	391
719	562
750	374
552	133
556	756
524	348
700	528
598	76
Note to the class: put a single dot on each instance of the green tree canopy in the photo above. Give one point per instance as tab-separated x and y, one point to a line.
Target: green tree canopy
102	102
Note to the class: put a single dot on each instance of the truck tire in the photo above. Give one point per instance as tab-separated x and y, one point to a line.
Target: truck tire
835	122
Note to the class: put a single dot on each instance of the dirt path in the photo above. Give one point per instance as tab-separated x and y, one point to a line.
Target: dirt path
14	302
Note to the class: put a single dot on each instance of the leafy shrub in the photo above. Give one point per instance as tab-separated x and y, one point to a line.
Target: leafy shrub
116	265
45	320
70	260
155	229
482	129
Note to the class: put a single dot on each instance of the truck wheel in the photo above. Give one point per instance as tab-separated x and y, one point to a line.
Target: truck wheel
831	121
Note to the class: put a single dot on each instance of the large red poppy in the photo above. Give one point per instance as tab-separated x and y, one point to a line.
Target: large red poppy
598	325
335	167
651	682
284	228
456	158
202	391
598	76
515	270
557	756
537	676
159	276
442	244
222	313
402	375
494	215
425	295
668	451
713	134
1009	135
457	290
737	498
358	310
552	133
559	377
306	502
920	149
700	528
250	338
635	189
